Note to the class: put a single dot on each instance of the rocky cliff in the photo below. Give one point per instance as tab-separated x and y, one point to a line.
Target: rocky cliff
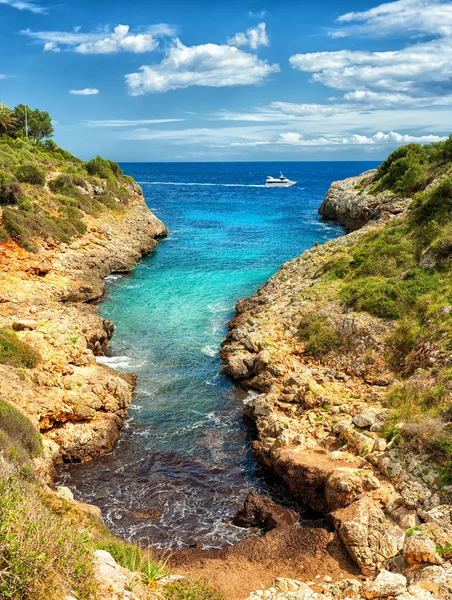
330	363
351	204
76	402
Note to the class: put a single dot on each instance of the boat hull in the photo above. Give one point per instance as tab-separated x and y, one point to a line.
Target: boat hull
280	184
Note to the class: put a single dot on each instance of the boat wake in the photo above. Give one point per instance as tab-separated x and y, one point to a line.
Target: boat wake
201	184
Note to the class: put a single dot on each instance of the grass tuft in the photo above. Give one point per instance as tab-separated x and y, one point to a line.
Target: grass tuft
15	353
137	559
190	589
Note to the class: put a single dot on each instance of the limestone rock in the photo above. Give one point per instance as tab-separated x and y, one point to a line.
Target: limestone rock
24	324
345	485
367	534
343	589
113	580
386	584
428	543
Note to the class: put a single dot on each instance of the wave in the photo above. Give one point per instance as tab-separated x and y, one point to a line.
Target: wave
210	350
203	184
120	362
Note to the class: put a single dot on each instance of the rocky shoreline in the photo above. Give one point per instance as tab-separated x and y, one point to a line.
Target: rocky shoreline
77	403
318	420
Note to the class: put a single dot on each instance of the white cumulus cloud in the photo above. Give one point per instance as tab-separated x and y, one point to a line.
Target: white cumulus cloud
85	92
420	70
254	37
121	39
423	16
210	65
419	73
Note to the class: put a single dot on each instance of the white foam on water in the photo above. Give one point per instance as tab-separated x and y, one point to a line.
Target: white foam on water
114	361
210	350
201	184
219	307
120	362
251	395
114	277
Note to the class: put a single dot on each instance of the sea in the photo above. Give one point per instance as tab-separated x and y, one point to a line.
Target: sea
183	464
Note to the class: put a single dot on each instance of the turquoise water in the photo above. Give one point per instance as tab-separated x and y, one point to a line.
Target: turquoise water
184	452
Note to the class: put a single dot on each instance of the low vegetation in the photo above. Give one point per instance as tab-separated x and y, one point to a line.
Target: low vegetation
402	272
45	191
47	543
410	168
39	552
39	549
319	334
138	560
190	589
14	352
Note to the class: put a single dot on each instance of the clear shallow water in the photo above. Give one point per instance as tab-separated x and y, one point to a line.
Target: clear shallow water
184	451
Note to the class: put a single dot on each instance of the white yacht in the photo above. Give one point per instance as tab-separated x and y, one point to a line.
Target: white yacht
279	182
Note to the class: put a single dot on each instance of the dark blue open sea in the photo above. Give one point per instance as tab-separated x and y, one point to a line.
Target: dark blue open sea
184	451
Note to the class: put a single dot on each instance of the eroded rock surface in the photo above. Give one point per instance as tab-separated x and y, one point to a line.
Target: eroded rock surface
318	417
350	203
78	404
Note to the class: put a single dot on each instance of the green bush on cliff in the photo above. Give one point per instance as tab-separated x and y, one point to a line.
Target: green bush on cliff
42	215
320	336
410	167
64	184
11	193
25	222
424	409
30	173
14	352
105	169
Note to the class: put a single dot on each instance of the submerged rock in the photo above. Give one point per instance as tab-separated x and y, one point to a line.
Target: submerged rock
261	511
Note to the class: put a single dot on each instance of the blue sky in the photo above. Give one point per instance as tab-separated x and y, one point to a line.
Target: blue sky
237	80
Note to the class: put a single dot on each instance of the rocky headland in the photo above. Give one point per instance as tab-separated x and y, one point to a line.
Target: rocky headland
339	380
64	226
77	403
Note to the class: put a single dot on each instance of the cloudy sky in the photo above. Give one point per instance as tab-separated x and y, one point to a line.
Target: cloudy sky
237	80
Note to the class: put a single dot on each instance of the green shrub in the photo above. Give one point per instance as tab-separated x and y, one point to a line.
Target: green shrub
64	184
416	151
30	173
12	193
445	149
434	205
320	336
190	589
4	178
390	298
115	168
412	180
4	236
14	352
100	167
405	336
22	225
